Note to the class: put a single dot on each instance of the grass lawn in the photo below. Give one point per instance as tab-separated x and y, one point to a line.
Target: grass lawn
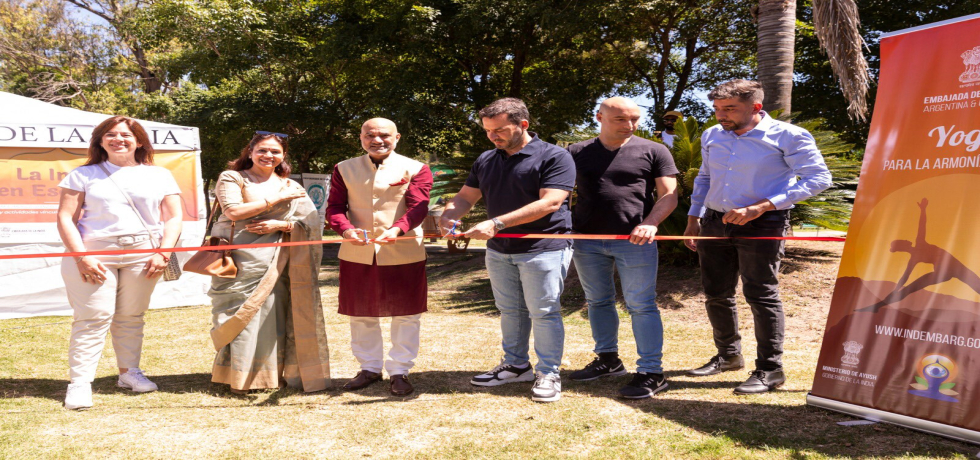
447	417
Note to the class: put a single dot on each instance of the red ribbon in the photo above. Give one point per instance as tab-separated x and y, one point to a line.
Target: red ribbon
338	240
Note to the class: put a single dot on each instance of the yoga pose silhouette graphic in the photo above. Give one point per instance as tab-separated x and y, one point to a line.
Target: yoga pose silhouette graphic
945	265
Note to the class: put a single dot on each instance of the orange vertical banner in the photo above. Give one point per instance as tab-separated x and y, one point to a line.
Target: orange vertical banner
902	342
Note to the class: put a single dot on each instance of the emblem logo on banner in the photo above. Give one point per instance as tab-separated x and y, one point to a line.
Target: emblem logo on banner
851	350
317	194
971	59
934	379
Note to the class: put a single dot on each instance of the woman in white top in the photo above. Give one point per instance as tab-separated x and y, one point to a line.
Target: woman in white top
112	292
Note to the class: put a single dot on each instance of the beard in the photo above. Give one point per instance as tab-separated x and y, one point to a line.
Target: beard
733	126
515	141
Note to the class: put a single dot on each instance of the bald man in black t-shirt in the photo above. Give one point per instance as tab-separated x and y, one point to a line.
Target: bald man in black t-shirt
626	186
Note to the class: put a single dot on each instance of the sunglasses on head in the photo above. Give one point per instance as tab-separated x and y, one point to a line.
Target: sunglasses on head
270	133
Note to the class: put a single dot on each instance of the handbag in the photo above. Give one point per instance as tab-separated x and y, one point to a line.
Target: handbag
214	262
172	271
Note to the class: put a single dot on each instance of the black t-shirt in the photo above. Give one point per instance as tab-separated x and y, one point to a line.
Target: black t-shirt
510	183
617	189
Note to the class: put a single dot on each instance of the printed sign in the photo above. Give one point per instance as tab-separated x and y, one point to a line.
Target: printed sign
29	189
903	332
317	188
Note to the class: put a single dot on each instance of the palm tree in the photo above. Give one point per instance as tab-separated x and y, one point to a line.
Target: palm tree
836	24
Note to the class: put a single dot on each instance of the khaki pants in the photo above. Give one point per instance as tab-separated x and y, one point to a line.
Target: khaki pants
117	305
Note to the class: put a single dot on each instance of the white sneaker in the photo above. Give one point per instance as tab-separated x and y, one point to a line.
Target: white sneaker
136	381
78	396
547	388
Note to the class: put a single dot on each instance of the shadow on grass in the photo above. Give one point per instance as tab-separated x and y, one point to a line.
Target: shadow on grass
753	423
750	423
55	388
797	258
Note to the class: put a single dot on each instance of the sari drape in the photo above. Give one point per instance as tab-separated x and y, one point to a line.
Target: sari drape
268	326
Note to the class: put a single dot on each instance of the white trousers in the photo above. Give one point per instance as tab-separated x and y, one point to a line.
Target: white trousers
116	305
366	343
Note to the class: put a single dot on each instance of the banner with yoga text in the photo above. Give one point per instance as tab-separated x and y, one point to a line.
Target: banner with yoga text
902	342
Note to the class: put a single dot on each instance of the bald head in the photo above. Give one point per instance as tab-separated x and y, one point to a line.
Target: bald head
379	136
618	103
379	123
618	118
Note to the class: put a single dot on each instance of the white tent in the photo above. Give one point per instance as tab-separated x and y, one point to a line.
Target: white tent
39	143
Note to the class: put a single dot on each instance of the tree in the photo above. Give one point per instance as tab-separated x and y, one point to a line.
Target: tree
119	15
776	34
671	47
836	24
48	55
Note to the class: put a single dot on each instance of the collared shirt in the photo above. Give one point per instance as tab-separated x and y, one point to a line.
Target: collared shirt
764	163
511	182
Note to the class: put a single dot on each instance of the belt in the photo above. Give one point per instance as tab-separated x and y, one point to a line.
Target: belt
127	240
784	212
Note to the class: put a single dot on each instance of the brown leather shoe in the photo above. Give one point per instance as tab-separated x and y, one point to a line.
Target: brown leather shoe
400	385
362	379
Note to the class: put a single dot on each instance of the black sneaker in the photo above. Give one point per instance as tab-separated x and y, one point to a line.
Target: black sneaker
643	385
504	373
598	368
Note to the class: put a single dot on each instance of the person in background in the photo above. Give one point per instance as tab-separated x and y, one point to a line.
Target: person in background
112	292
377	197
667	135
268	326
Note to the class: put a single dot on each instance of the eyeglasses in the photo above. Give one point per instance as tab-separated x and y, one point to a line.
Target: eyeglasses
270	133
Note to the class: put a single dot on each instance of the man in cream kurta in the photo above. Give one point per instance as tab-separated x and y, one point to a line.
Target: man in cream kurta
373	199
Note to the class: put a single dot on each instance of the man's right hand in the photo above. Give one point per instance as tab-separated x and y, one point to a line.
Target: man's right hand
693	229
355	234
447	225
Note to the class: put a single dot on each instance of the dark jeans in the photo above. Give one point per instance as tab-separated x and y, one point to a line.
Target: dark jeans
757	261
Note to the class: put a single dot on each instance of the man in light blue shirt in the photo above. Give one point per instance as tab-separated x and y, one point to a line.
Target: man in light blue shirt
753	170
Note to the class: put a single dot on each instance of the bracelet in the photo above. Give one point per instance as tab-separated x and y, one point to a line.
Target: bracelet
289	227
165	258
78	259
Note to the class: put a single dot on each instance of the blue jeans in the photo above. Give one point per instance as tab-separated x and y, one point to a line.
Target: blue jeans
637	267
527	290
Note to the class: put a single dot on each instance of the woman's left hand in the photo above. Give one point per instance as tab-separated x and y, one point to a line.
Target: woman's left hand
155	266
263	227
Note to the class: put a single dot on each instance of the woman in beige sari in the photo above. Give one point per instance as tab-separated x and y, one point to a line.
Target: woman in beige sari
268	321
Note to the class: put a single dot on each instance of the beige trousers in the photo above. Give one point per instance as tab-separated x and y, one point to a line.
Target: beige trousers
117	305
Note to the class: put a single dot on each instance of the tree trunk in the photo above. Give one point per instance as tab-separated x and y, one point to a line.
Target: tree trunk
777	34
151	83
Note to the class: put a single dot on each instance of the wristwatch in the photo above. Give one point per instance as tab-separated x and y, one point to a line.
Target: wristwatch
498	225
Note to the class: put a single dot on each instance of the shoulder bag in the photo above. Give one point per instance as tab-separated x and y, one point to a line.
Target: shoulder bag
214	262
